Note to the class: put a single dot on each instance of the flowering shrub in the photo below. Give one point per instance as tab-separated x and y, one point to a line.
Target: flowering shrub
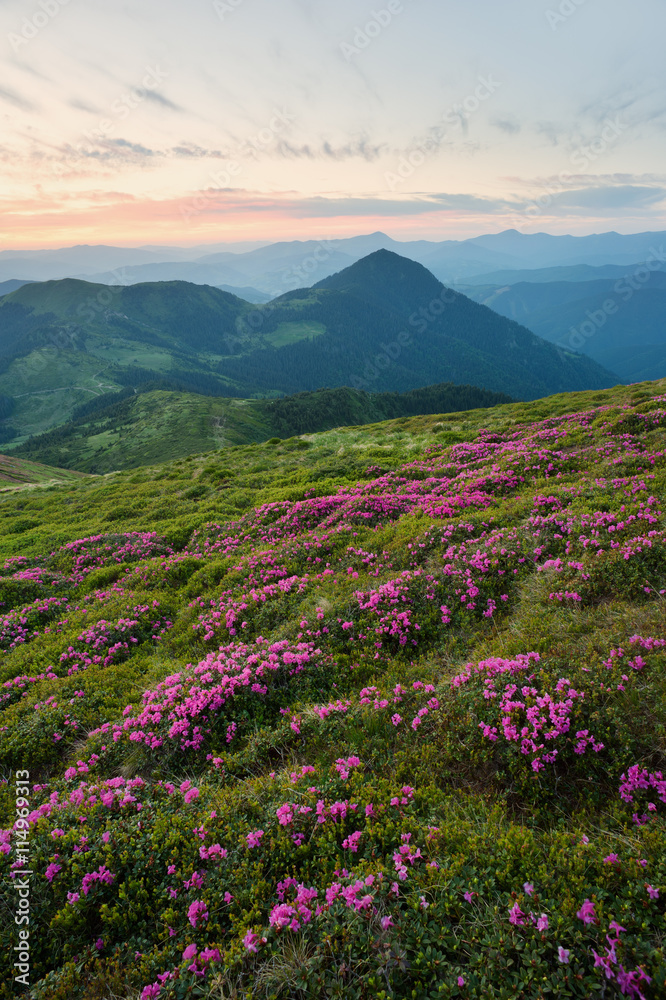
390	730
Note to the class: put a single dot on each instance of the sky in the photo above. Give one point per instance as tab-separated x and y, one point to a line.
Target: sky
187	122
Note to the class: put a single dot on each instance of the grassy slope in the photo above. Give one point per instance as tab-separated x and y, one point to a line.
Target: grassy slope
160	425
472	806
16	473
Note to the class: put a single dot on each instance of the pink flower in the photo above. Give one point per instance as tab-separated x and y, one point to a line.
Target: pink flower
190	952
52	871
151	991
283	915
611	859
386	922
603	962
542	923
563	955
396	719
652	893
254	838
586	913
528	887
516	915
351	842
284	814
469	896
461	981
197	913
193	793
250	941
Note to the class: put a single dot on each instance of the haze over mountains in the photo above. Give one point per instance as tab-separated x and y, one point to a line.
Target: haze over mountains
616	315
281	267
385	324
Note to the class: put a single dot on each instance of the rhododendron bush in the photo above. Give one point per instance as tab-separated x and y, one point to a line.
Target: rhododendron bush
340	729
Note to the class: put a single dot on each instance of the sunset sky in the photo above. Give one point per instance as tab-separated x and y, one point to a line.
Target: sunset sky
192	121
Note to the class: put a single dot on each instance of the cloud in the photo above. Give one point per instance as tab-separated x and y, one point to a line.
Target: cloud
193	151
80	105
612	198
157	98
554	133
13	98
135	148
508	124
359	149
319	207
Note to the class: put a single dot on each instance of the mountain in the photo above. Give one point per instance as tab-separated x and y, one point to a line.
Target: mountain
246	292
281	267
271	270
546	250
67	262
131	428
10	286
384	324
620	322
572	272
388	324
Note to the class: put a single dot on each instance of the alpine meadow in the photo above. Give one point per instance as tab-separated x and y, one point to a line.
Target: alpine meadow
332	500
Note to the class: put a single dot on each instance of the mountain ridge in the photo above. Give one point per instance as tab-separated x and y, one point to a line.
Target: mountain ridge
384	324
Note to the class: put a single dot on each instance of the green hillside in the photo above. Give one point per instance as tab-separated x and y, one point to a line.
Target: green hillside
16	472
379	712
385	324
128	429
619	322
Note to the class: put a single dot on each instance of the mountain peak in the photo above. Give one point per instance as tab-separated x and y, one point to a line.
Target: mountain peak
387	280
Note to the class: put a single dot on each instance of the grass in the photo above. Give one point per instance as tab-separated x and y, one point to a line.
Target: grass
304	545
291	333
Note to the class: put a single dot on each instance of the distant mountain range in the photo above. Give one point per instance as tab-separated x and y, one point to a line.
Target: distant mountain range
619	318
280	267
384	324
